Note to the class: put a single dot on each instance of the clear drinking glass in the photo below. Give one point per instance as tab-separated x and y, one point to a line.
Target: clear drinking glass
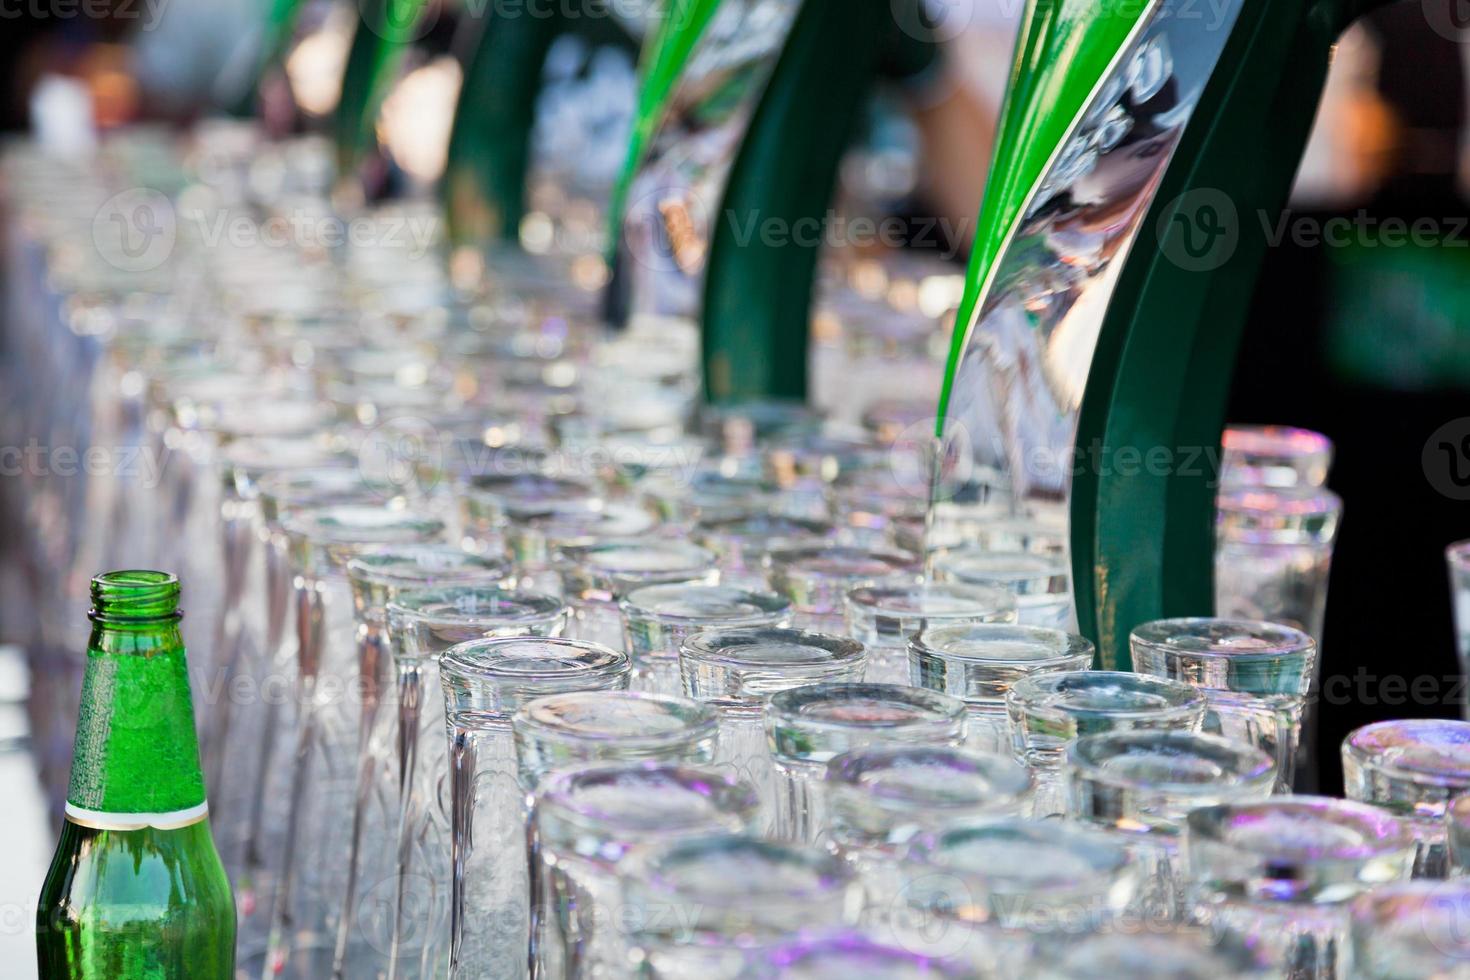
1413	768
841	956
1140	786
707	906
1154	954
1277	874
1274	456
881	798
596	576
742	539
1255	674
485	682
657	619
1457	556
422	626
585	823
1412	931
1457	834
978	663
884	618
1049	711
1002	890
808	726
336	680
1041	582
816	577
737	670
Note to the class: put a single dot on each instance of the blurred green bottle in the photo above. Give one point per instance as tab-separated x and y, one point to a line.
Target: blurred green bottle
136	889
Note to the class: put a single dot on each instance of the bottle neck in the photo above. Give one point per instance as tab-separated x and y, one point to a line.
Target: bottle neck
136	758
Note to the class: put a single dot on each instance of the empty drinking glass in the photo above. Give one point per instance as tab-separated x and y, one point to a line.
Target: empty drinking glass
1412	768
1141	786
422	626
1255	675
979	663
883	797
596	576
835	957
807	726
1049	711
816	577
586	822
885	617
742	539
708	906
737	670
658	618
1173	954
1274	456
1040	581
1276	875
1412	931
1001	890
485	682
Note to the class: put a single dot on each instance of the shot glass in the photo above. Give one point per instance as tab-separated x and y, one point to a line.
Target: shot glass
657	619
586	823
596	576
1041	582
735	671
808	726
885	617
882	798
1002	890
817	577
709	906
485	682
1413	768
1140	787
422	626
1255	674
979	663
1457	834
1457	557
336	681
1154	954
1276	875
1274	456
1411	931
854	954
742	539
1050	711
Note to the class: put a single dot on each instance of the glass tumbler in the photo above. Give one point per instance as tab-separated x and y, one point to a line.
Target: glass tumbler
742	539
1413	768
596	576
1274	456
1140	786
1049	711
883	797
978	663
817	576
1255	674
485	682
1276	875
1412	931
808	726
586	822
735	671
1040	581
1000	891
1155	954
336	681
885	617
1457	556
658	618
422	625
706	906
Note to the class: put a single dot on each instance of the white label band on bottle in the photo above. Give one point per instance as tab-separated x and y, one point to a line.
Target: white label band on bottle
99	820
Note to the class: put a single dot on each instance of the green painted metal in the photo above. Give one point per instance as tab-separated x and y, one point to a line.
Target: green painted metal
1142	539
378	45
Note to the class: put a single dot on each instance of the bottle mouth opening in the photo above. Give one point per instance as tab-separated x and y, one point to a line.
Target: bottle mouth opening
135	594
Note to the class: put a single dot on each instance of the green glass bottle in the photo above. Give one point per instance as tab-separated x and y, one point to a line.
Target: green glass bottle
136	889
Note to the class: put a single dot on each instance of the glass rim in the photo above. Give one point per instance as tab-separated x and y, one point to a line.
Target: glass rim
789	556
1090	758
868	601
1457	553
1281	641
1263	439
434	605
1004	779
1368	747
930	644
557	793
356	524
1103	857
640	604
534	720
481	660
793	951
1041	696
830	874
933	708
700	561
380	565
1381	833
